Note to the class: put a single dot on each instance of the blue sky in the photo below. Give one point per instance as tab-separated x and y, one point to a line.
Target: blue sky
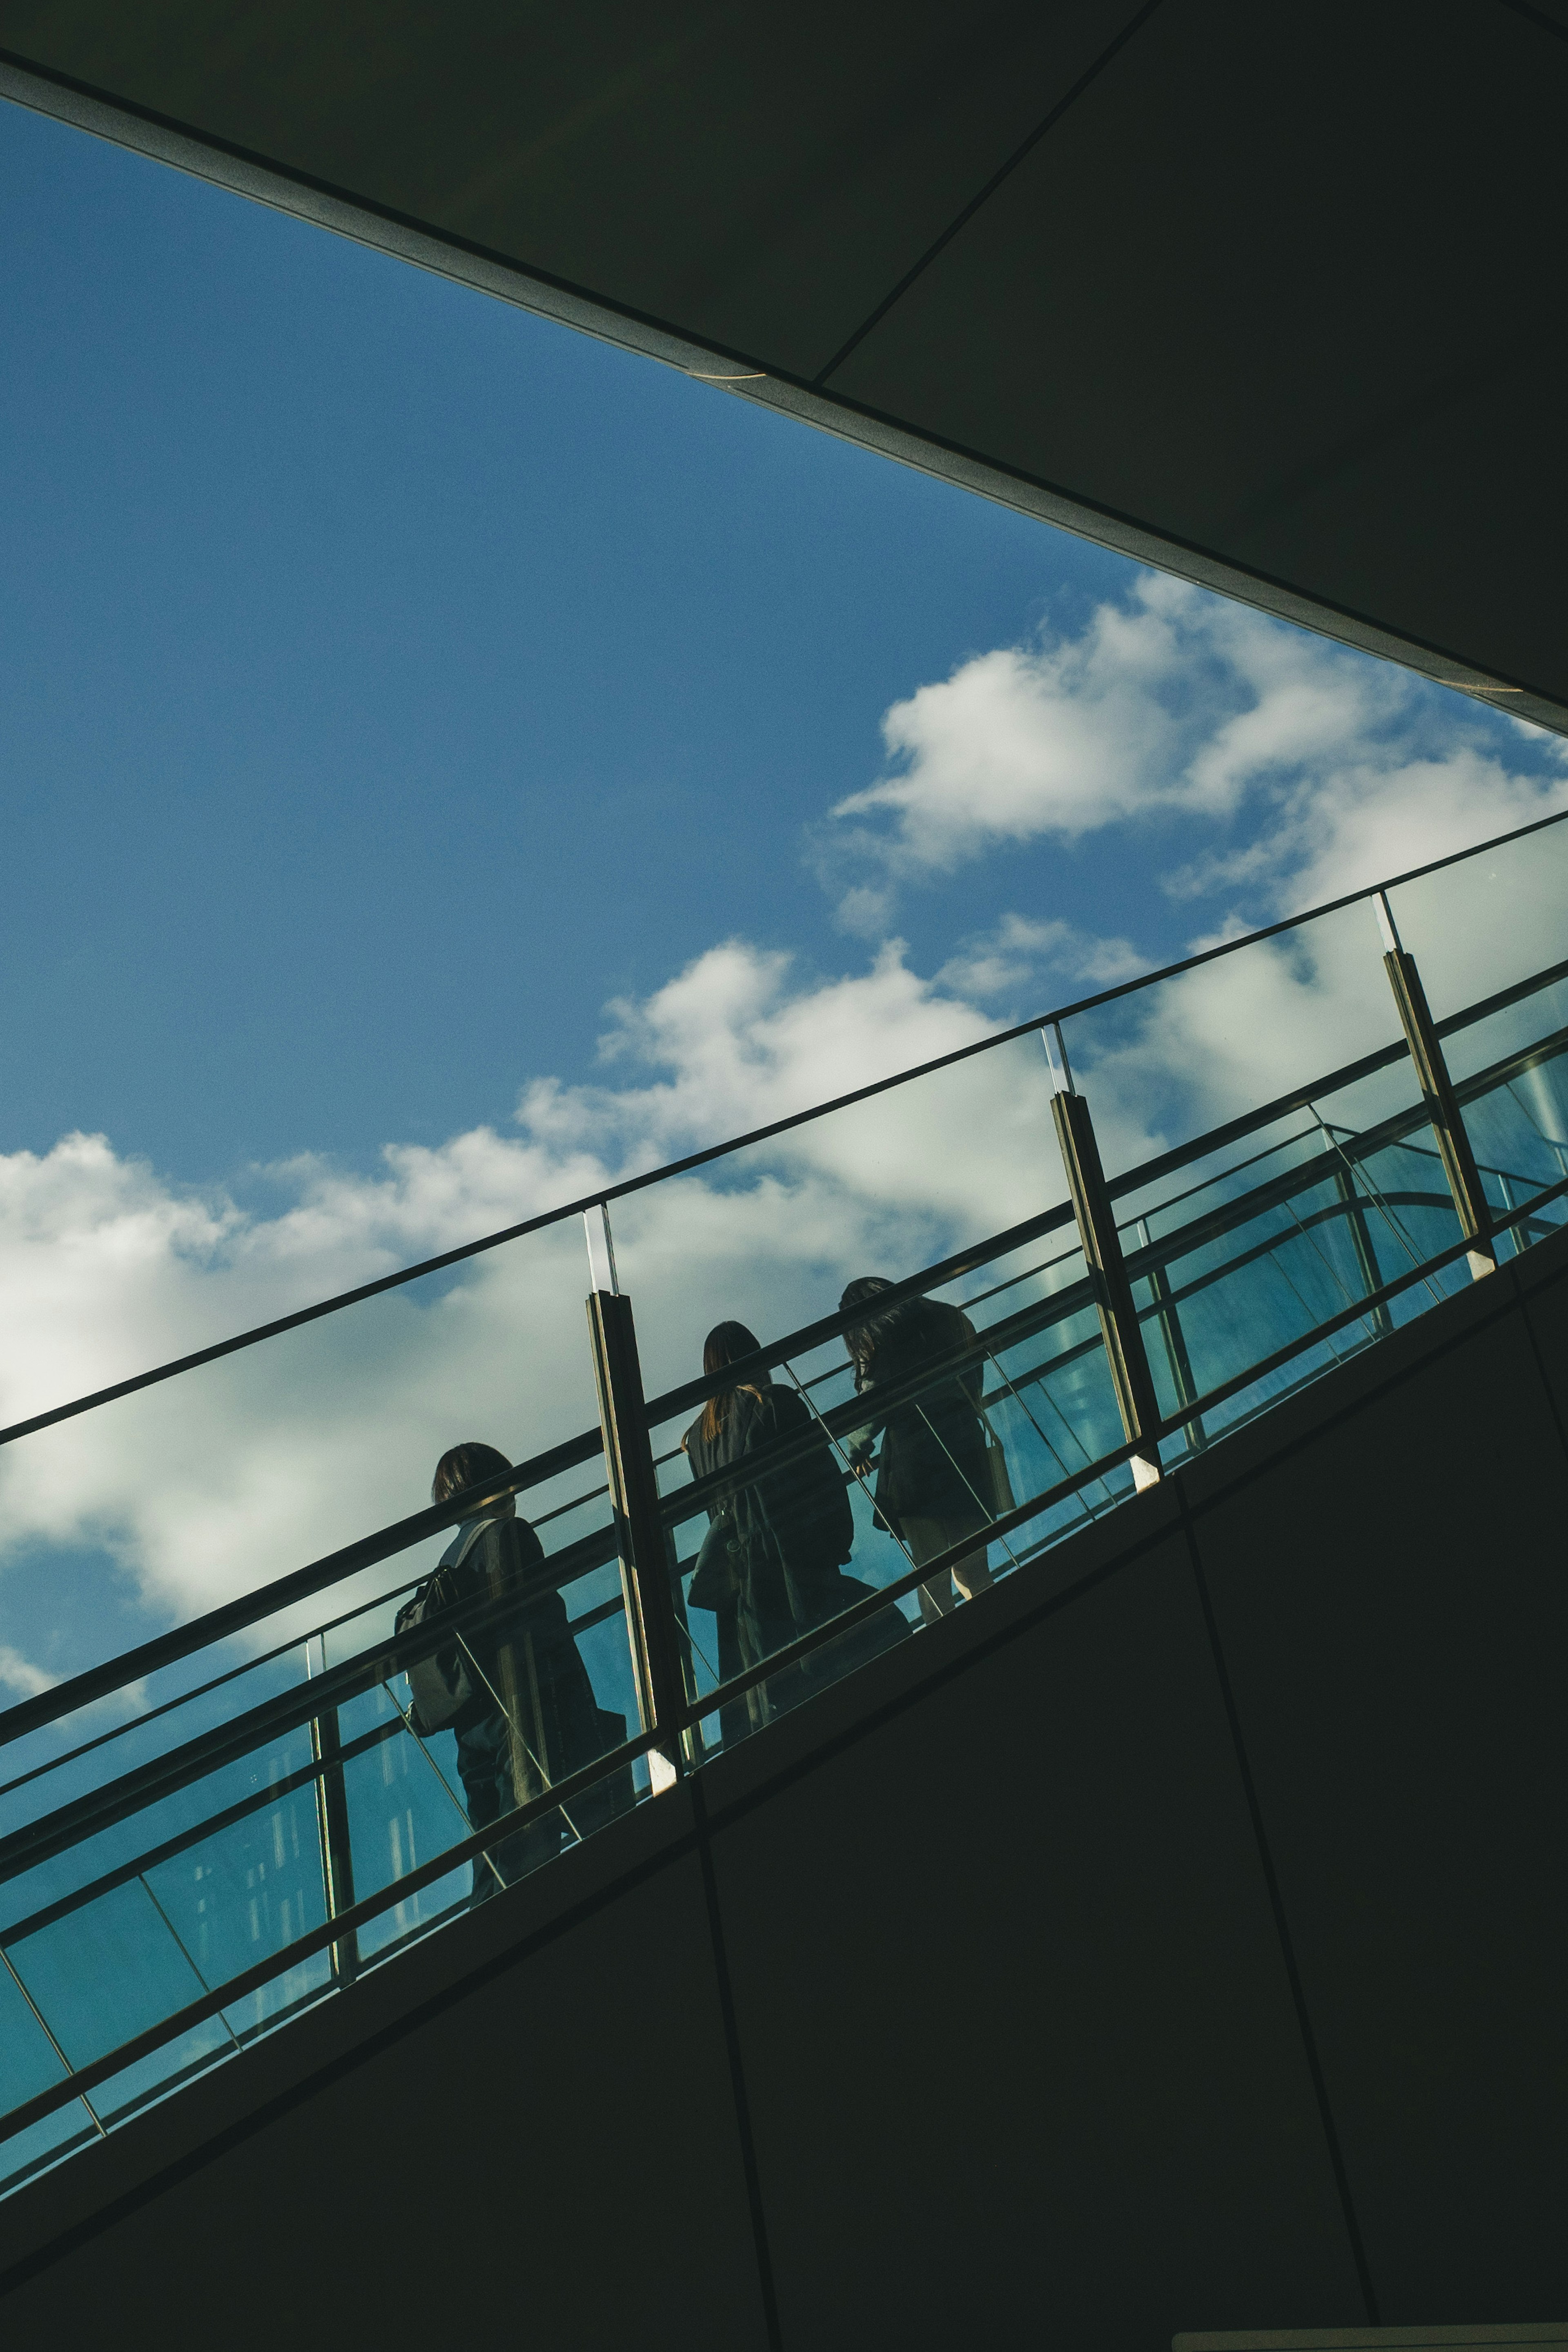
447	762
390	677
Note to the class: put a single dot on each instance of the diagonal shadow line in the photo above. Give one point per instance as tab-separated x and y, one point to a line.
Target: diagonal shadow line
1090	74
1538	17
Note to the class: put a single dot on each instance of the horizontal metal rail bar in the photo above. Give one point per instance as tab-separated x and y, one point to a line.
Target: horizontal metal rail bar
213	1825
163	1776
210	1750
694	1392
1524	1214
278	1963
304	1947
711	1152
300	1584
67	1698
942	1562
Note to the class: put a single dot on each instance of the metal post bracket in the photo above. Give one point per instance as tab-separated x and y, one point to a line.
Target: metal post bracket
1437	1092
635	1497
1124	1352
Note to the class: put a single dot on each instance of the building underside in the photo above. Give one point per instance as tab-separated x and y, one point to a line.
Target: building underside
1169	1937
1261	294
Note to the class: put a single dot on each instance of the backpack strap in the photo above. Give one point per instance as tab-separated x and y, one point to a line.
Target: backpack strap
467	1536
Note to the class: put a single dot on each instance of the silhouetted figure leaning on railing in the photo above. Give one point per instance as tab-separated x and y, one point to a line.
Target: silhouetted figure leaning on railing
935	1480
771	1565
514	1688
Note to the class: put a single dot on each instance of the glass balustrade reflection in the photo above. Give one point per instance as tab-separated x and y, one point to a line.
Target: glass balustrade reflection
1489	921
1517	1127
30	2062
177	1895
222	1479
1274	1242
1170	1063
768	1235
129	1729
1001	1396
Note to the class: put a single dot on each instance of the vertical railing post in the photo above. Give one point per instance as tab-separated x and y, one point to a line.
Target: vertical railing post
1437	1091
1177	1361
1361	1244
640	1533
333	1827
1130	1374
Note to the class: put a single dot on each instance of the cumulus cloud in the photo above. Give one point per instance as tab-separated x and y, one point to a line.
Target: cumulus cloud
235	1473
1019	952
19	1678
1284	770
1177	710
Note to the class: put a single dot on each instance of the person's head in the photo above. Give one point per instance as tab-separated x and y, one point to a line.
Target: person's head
861	1292
725	1344
466	1465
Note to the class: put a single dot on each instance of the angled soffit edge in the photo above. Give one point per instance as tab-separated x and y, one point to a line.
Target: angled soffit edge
740	375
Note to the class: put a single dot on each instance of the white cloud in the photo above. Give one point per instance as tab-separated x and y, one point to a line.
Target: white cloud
1297	773
233	1474
1176	706
20	1676
1017	951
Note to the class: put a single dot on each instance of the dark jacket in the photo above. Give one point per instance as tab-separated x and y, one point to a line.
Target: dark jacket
772	1567
527	1662
932	1459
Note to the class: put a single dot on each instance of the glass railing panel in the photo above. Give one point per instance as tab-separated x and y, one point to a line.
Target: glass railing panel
553	1689
129	1728
965	1418
107	1973
29	2064
1411	1218
220	1480
1536	1021
137	1830
136	1918
1280	1269
238	1895
1165	1064
1488	920
769	1235
403	1811
1519	1133
1051	1404
54	2137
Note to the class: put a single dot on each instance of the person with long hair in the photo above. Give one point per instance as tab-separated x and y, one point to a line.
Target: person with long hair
531	1717
933	1479
771	1565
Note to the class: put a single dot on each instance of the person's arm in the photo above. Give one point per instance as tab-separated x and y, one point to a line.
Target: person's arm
859	1443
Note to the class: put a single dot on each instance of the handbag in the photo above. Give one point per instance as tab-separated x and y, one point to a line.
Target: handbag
715	1581
999	1487
439	1684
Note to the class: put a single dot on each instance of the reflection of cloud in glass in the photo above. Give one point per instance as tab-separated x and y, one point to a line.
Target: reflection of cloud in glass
1176	706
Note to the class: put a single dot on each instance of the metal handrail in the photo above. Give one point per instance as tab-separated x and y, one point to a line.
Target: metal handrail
342	1923
177	1768
943	1562
684	1166
348	1921
67	1698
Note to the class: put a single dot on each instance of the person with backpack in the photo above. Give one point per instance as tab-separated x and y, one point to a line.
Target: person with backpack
936	1477
512	1686
770	1567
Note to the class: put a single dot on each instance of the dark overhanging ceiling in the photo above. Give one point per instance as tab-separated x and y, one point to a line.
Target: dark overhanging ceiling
1260	294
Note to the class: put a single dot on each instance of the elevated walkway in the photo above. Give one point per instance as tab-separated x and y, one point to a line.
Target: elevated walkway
1167	1938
